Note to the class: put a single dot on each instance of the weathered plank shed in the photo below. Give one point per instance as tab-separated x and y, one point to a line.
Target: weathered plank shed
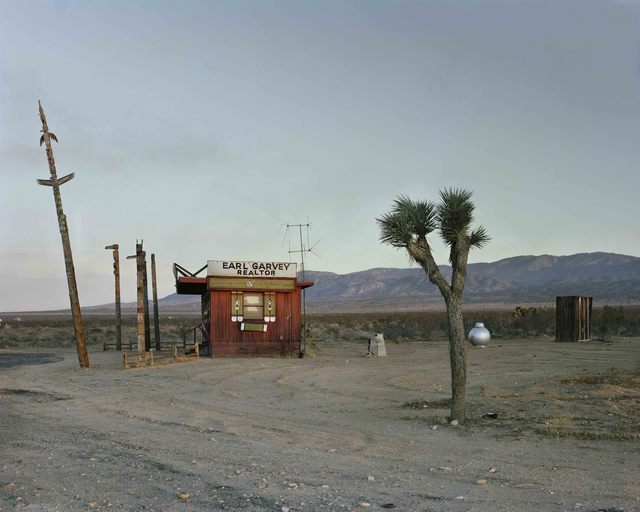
573	318
249	308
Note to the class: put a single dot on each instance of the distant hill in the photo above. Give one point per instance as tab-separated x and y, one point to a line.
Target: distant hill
608	277
521	279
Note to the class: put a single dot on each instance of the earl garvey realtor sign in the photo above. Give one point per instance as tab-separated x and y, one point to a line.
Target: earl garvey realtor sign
231	268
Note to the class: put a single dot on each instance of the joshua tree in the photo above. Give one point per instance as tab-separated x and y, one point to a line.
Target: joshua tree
407	226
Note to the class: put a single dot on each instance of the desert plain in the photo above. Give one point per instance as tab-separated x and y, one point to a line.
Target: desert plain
551	426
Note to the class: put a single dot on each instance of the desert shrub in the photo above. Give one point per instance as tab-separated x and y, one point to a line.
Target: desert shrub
610	321
515	323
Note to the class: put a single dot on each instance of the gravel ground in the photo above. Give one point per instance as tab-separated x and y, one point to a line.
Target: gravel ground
332	432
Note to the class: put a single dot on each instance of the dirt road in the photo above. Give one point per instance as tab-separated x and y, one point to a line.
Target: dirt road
335	432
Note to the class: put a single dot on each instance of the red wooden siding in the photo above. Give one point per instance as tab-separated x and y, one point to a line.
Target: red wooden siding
282	336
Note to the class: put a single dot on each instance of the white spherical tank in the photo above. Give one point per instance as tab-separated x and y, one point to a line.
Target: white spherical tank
479	336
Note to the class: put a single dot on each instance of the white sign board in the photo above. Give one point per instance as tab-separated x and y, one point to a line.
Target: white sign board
231	268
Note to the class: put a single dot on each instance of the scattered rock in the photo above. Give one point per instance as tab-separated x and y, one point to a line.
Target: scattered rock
453	422
460	498
492	470
92	504
370	478
364	504
285	509
184	496
435	427
293	485
388	505
481	481
445	468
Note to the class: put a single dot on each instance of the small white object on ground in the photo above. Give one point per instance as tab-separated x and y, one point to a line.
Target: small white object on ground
377	347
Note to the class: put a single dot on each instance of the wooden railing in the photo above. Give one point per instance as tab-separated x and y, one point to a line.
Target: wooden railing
191	332
179	270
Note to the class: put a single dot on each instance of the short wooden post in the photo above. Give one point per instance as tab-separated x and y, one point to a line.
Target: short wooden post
175	352
124	360
151	357
197	347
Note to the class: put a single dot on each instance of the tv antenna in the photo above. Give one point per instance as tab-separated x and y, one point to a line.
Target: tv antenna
303	249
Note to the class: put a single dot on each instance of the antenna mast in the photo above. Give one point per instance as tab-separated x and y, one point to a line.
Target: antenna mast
302	250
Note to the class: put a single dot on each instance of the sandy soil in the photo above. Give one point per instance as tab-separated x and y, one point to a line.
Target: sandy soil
333	432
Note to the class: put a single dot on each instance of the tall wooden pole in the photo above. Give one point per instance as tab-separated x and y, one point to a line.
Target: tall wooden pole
156	318
116	272
145	283
54	183
140	264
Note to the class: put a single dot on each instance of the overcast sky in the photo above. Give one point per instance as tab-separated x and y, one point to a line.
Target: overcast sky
204	127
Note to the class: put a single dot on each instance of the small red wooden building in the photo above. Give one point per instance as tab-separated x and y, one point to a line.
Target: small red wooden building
249	308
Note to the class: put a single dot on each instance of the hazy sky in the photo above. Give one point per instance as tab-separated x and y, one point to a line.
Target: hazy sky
204	127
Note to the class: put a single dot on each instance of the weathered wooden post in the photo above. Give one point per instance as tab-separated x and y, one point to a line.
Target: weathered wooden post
147	327
54	183
156	318
116	273
140	265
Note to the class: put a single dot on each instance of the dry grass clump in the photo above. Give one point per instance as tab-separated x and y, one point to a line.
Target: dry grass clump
557	425
588	407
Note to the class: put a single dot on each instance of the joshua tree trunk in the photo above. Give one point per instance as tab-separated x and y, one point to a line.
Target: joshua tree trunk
458	358
407	226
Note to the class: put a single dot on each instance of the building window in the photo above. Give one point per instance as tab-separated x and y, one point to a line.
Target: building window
253	306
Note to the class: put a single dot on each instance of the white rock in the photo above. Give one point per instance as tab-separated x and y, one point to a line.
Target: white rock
453	422
370	478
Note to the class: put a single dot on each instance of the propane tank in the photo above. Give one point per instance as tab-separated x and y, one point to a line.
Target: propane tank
479	336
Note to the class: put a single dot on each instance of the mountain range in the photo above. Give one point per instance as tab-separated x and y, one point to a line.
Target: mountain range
607	277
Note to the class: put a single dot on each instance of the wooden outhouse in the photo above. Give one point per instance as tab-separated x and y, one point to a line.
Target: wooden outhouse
249	308
573	318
